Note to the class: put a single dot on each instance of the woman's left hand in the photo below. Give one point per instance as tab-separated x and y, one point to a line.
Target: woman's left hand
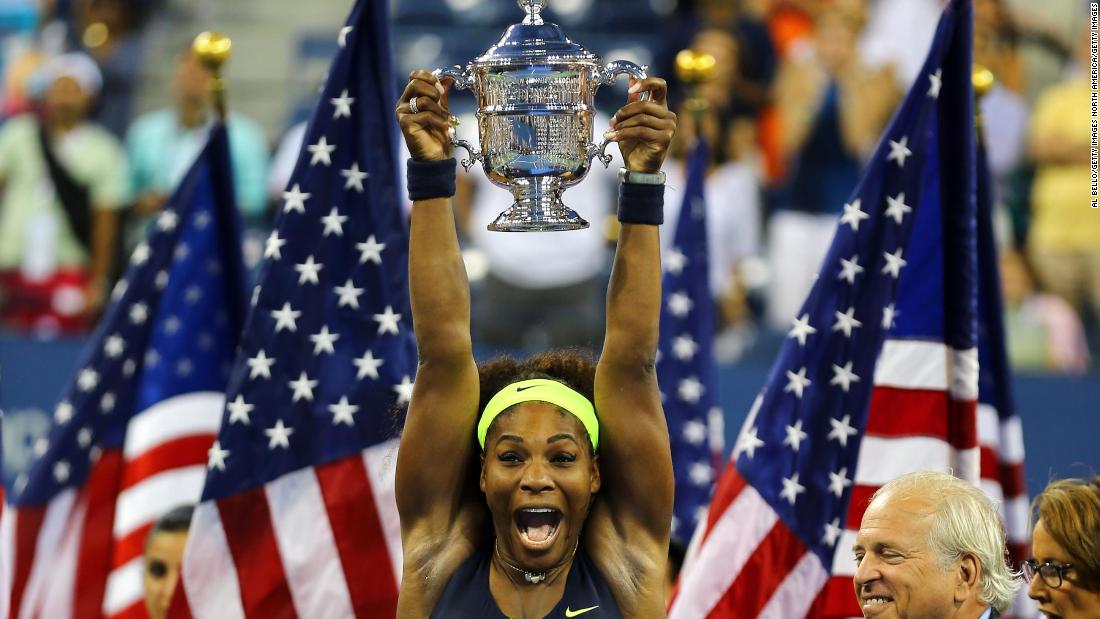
644	129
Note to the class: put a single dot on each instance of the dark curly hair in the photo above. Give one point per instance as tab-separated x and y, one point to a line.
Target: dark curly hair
573	367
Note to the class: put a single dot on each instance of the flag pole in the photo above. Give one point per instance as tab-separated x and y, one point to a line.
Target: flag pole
983	81
694	68
213	51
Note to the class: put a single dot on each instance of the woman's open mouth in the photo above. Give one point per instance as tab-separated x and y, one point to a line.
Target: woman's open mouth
538	526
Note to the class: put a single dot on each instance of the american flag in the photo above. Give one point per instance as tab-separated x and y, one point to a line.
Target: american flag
685	366
1	469
1000	435
128	439
298	516
878	375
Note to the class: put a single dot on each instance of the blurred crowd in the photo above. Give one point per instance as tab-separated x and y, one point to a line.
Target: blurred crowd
803	92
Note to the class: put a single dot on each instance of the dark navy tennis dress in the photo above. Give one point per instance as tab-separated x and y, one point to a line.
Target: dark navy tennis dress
467	595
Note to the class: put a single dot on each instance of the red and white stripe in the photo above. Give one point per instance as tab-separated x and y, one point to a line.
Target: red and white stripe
1002	455
1003	479
57	555
318	542
745	562
164	466
80	555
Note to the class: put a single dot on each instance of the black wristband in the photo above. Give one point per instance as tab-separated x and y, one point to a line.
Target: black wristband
641	204
431	179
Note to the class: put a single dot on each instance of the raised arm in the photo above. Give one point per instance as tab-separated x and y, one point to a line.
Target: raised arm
437	440
636	461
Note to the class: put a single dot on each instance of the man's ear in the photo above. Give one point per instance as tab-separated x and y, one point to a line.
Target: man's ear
481	478
968	576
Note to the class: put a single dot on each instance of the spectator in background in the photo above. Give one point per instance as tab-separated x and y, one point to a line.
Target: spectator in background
754	98
790	23
1047	32
898	35
25	51
733	184
64	179
163	144
1042	330
20	55
284	159
18	74
1003	108
757	62
1063	572
162	558
1004	114
108	30
832	110
996	41
736	33
1064	235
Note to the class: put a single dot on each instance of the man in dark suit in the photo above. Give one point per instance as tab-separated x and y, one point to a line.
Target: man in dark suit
931	546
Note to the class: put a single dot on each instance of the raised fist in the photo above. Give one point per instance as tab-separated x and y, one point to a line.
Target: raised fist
644	129
427	123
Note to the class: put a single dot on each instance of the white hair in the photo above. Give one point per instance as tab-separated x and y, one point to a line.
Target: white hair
964	522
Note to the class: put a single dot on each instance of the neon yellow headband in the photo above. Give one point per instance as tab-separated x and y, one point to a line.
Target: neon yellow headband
540	390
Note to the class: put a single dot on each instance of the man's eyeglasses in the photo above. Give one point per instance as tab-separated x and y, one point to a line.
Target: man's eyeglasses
1051	573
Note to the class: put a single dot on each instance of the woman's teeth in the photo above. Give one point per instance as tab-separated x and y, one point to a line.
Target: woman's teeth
538	524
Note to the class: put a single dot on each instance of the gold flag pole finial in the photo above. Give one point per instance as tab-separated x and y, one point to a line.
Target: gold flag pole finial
695	67
983	80
213	50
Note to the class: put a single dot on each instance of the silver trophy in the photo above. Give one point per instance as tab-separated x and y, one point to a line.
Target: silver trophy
534	91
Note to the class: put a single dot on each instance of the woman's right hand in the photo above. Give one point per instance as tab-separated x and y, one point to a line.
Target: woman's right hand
427	133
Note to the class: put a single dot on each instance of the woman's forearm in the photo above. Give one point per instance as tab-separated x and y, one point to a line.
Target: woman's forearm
634	297
438	286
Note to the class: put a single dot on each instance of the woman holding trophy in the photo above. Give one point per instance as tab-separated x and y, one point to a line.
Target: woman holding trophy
538	488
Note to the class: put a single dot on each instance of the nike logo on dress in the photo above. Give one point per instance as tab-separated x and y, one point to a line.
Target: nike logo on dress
574	613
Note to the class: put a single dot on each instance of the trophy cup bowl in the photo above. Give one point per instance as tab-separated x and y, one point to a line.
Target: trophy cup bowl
535	89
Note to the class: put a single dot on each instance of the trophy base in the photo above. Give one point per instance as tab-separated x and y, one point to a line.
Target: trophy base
538	208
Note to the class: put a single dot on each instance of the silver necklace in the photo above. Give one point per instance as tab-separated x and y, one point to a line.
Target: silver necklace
534	577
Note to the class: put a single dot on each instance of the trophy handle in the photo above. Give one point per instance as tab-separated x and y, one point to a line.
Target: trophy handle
598	152
464	78
473	155
606	76
611	70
